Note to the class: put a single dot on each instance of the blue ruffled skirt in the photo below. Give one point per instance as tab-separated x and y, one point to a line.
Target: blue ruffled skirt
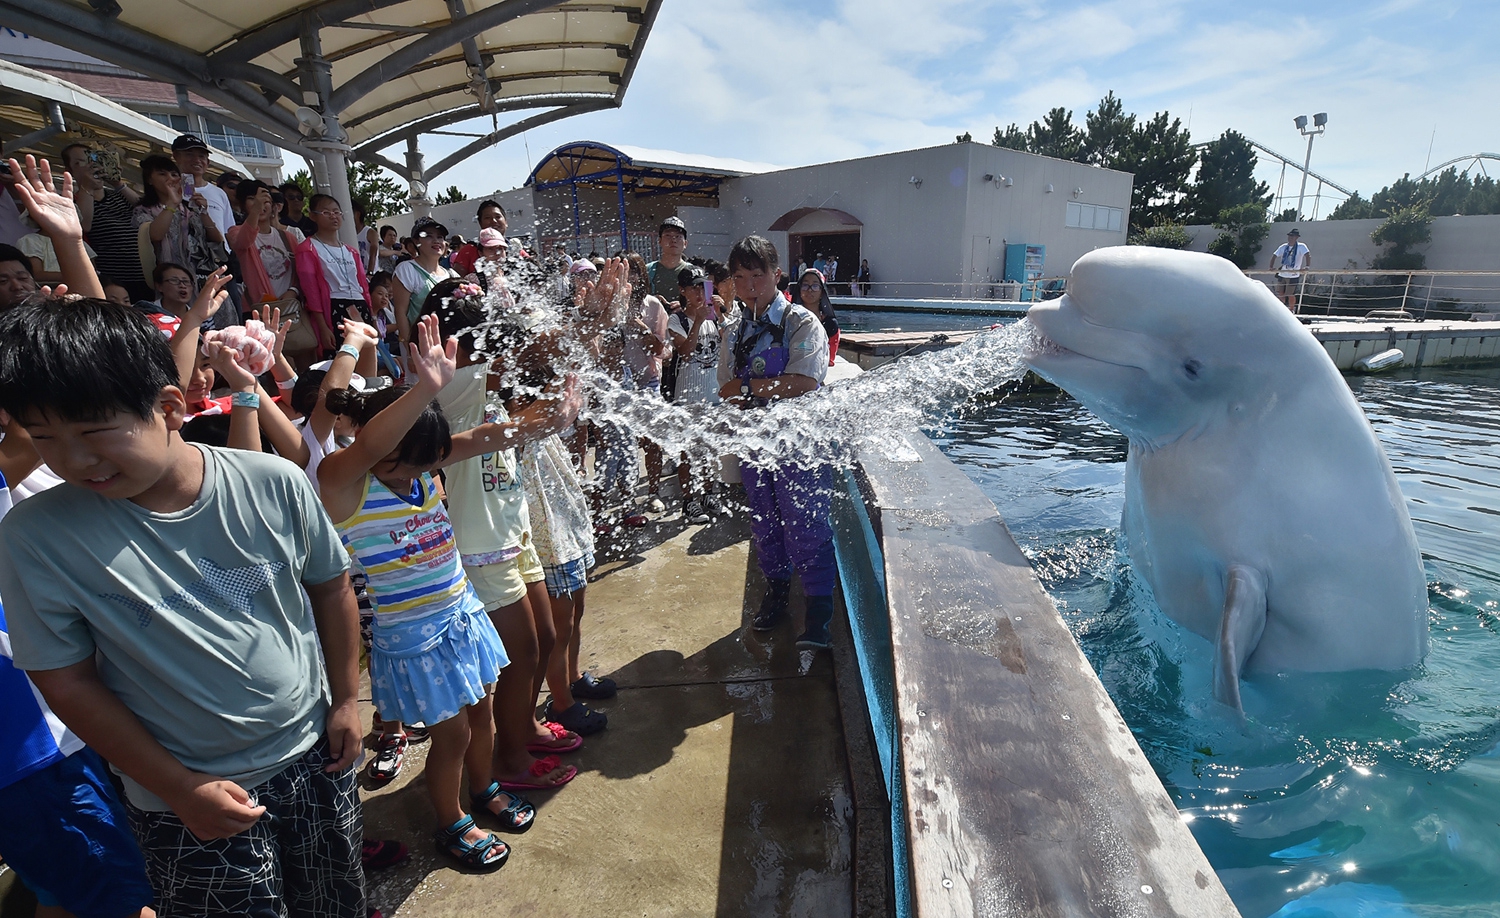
429	669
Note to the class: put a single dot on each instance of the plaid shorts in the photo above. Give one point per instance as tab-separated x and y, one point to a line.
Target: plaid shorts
302	857
568	578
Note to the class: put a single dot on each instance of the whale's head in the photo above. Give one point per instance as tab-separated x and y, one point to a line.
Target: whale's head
1159	343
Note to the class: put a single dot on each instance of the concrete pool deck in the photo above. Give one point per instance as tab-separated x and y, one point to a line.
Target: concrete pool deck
721	786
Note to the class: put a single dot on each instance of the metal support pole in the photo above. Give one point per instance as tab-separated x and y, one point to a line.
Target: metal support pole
1306	163
56	124
573	187
317	89
1406	291
620	188
1427	300
416	168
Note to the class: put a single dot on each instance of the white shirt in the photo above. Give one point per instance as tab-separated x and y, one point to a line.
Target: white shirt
1289	260
218	205
316	450
340	270
280	269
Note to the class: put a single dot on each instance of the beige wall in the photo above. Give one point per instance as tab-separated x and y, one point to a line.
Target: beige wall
1458	243
924	236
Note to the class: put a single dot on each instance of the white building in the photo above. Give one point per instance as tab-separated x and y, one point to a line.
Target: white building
931	222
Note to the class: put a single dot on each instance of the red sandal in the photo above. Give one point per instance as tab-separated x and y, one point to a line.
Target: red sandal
539	768
559	732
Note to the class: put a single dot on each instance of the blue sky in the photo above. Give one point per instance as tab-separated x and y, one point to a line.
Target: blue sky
796	83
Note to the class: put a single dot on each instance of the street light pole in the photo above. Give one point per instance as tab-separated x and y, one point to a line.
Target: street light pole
1320	122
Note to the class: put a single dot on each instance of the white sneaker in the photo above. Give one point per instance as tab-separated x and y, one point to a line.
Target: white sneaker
656	506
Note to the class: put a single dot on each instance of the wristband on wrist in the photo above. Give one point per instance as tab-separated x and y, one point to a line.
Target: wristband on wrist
245	400
287	385
349	349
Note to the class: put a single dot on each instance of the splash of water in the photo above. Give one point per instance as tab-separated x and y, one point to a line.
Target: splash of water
868	412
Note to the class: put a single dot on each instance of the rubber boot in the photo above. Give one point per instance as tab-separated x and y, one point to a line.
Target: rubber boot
773	605
819	617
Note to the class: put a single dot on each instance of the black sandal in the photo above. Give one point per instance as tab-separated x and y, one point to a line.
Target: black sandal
486	856
518	816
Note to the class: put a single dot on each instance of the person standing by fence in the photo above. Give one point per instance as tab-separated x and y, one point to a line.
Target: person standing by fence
1290	261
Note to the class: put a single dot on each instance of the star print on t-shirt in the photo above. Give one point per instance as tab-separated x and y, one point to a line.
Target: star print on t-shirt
218	589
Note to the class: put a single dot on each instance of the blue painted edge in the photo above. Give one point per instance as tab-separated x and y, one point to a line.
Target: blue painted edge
861	564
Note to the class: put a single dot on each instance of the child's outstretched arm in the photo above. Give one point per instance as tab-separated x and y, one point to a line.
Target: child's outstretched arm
56	215
363	339
553	413
342	474
211	296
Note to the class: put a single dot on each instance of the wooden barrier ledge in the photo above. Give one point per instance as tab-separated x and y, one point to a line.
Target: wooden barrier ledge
1026	792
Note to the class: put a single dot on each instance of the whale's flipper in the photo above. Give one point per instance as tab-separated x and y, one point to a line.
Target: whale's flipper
1240	629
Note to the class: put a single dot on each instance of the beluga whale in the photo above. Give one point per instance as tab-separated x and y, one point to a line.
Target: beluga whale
1259	505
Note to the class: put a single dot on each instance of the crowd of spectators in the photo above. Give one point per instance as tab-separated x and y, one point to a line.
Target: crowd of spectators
216	514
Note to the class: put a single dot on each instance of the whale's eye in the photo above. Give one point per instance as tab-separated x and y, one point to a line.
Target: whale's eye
1191	368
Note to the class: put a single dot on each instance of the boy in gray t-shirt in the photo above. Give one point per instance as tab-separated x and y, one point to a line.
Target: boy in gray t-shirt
157	602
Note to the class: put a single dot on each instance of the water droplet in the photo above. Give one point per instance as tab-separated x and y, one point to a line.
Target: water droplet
1146	889
947	883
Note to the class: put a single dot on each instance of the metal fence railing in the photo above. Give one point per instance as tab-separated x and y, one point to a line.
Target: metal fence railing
1045	288
1419	294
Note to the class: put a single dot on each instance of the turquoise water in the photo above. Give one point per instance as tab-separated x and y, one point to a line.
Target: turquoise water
1343	795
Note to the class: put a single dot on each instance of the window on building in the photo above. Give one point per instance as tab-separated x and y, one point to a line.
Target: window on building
178	123
235	143
1095	216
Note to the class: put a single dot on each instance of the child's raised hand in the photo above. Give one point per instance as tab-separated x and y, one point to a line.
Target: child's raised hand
275	323
213	294
226	361
54	212
433	361
359	334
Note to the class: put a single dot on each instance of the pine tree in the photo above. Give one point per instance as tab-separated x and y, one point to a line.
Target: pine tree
1109	135
1226	178
1056	136
1012	138
1162	158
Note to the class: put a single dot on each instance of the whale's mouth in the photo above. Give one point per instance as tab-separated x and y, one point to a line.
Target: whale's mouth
1040	346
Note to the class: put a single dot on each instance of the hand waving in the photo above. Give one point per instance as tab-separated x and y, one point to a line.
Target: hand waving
213	294
54	212
433	361
274	323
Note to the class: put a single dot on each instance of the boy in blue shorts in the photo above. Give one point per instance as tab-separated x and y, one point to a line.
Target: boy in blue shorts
157	602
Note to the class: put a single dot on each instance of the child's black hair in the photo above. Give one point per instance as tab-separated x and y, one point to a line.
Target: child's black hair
427	443
81	360
208	429
305	392
754	253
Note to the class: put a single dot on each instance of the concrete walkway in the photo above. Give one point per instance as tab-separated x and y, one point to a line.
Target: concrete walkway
721	786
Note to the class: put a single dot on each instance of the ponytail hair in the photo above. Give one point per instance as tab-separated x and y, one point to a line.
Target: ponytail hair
427	443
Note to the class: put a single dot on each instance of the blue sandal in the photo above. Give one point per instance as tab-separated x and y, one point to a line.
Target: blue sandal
487	855
518	816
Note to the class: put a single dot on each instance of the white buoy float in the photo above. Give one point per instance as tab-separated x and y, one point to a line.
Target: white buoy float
1384	360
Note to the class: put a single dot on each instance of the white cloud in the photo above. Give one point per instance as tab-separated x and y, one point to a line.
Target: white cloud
798	83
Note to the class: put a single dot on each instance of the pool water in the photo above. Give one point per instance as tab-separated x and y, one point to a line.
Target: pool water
1342	795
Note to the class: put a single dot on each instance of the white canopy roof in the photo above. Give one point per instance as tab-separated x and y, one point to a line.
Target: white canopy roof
397	65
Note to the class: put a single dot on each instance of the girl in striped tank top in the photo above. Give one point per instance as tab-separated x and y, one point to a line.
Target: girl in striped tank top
434	654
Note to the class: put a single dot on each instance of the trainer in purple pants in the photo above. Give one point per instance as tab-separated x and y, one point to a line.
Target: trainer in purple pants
789	514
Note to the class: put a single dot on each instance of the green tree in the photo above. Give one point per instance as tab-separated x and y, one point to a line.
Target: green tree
1162	158
965	137
1226	179
451	195
375	188
1407	227
1162	236
1287	216
369	185
303	181
1056	136
1398	195
1109	136
1012	138
1243	229
1353	207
